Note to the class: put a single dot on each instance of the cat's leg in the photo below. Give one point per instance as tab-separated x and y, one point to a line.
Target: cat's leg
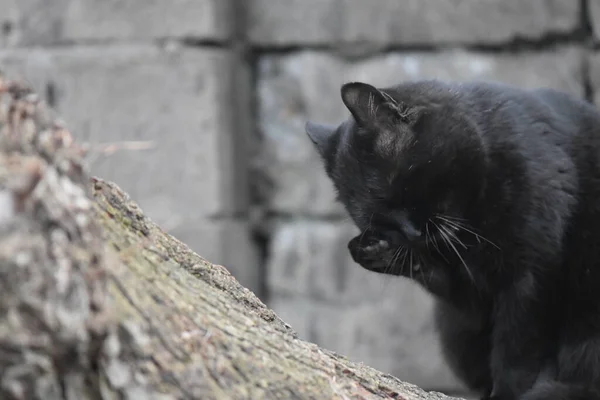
577	368
554	390
520	339
577	379
378	254
465	344
371	252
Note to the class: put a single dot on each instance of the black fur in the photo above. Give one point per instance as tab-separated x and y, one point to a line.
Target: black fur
489	196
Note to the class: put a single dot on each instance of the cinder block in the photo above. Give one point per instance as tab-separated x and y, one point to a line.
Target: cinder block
384	22
594	16
394	335
310	259
146	19
305	85
39	22
594	61
26	22
178	99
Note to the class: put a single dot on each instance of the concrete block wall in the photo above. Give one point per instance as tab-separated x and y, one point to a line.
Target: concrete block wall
157	71
222	88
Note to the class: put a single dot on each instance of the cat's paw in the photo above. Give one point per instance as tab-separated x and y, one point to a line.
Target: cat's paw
369	251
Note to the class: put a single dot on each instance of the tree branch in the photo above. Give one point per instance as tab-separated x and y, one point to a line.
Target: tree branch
99	303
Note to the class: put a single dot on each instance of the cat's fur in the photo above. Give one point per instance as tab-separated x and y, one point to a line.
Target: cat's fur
489	196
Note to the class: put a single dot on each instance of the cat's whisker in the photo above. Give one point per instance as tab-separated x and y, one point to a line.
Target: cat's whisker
450	235
411	263
405	255
422	274
455	225
448	241
458	224
393	260
464	227
453	236
427	235
453	218
444	236
368	226
449	244
435	242
400	258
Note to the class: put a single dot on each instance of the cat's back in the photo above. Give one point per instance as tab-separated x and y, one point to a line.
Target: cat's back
508	112
541	124
504	109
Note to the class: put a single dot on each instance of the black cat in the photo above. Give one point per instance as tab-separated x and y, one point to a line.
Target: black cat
489	196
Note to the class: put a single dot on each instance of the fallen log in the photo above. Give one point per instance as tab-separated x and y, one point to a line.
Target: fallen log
97	302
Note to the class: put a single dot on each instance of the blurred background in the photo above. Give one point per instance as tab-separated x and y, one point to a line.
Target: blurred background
197	109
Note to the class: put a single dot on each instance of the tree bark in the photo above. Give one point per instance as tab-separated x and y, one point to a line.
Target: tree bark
98	303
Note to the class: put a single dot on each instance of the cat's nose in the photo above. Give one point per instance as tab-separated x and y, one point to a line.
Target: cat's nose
411	232
407	227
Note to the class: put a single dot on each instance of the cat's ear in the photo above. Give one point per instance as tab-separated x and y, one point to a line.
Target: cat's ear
370	106
319	134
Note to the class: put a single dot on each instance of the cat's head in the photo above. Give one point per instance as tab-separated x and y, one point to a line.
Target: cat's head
405	156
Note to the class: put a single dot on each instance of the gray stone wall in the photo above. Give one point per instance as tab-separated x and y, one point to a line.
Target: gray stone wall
222	89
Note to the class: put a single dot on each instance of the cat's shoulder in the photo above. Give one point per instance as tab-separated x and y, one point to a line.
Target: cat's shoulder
548	99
